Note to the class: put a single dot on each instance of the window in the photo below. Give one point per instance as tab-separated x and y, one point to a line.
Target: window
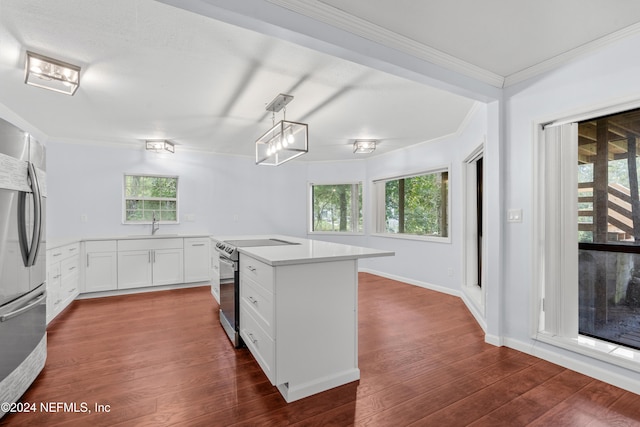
587	226
609	228
148	195
414	205
336	208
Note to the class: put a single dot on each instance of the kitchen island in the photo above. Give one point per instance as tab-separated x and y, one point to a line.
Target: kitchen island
299	311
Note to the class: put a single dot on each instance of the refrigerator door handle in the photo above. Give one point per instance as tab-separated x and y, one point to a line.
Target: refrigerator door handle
24	309
37	220
29	254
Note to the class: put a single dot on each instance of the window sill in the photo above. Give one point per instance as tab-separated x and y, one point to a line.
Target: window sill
414	237
333	233
602	350
150	222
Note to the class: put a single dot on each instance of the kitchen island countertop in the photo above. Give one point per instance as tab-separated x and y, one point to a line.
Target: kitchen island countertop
305	251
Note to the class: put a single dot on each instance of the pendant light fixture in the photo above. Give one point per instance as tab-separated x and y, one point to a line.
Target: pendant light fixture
285	141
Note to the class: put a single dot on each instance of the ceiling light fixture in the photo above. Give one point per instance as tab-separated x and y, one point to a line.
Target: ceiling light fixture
160	146
364	146
49	73
285	141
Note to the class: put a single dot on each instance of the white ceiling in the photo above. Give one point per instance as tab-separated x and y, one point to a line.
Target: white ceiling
150	70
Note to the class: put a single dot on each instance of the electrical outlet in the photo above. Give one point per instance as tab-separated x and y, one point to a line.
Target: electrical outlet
84	218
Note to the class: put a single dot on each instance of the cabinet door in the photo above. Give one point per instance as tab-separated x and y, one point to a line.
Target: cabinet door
69	279
168	267
135	269
101	271
53	289
215	276
196	260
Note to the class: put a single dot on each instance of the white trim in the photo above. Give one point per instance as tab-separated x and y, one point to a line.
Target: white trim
340	19
404	236
566	361
476	294
491	339
580	51
421	284
337	18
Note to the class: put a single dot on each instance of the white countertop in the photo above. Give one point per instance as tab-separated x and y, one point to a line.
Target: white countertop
306	251
57	242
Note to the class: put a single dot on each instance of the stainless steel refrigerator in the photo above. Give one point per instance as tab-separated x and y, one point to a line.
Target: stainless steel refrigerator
23	347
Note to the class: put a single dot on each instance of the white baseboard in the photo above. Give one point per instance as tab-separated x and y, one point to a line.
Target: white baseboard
419	283
116	292
537	349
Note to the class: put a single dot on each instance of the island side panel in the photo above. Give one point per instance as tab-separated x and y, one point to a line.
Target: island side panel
317	326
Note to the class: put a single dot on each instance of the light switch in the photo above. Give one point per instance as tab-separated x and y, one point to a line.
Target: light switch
514	215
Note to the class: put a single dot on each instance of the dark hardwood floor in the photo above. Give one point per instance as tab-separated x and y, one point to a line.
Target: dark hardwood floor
162	359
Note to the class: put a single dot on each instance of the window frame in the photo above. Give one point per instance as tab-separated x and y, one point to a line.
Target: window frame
554	212
147	222
354	222
379	207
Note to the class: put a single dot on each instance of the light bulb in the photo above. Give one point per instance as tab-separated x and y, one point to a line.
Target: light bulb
290	138
278	146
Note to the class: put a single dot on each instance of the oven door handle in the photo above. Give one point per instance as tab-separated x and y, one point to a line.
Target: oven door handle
229	262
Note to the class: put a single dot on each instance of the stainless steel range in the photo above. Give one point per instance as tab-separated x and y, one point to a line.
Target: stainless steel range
230	282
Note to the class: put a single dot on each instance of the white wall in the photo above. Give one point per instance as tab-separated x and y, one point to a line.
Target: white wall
606	78
225	194
432	264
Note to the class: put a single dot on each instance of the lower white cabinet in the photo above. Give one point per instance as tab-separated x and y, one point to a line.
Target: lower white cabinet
197	251
150	262
101	266
63	279
300	323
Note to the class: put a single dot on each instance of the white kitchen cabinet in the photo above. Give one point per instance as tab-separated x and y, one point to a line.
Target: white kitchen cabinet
63	264
101	266
150	262
215	275
168	266
197	253
134	269
300	323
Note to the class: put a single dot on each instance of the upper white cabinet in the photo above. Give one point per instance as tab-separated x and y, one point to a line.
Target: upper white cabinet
100	265
197	253
150	262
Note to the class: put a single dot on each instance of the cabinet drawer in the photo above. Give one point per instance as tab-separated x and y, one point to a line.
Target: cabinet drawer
261	346
146	244
257	271
101	246
69	266
54	255
70	250
259	302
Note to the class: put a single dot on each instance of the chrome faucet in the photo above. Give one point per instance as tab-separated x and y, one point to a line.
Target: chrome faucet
155	225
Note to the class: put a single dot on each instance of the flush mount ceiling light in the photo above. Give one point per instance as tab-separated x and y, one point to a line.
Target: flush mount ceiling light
364	146
285	141
160	146
49	73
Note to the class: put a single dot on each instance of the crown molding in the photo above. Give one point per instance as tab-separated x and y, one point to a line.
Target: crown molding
330	15
563	58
